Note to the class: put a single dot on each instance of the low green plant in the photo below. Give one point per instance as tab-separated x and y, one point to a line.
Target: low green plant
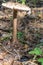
6	37
36	52
23	1
20	36
40	60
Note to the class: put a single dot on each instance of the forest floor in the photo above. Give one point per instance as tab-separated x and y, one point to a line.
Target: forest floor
17	53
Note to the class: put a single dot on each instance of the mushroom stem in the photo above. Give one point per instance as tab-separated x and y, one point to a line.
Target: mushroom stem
14	25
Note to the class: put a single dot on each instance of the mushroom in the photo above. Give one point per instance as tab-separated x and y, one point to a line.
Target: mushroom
16	7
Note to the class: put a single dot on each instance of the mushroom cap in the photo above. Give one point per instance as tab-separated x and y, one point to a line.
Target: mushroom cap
16	6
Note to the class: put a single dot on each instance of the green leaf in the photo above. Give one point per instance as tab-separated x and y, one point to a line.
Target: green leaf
20	36
23	1
41	63
31	52
40	60
36	51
